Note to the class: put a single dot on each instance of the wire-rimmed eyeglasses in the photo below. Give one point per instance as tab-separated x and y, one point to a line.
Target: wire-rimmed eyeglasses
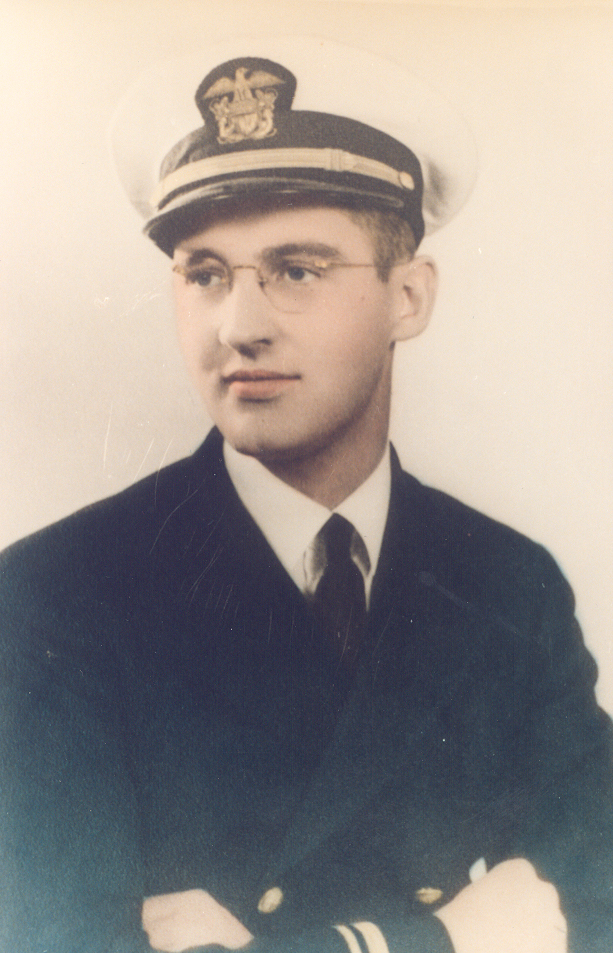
291	286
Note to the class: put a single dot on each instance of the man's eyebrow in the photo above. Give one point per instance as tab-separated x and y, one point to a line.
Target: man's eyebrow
290	250
199	255
272	255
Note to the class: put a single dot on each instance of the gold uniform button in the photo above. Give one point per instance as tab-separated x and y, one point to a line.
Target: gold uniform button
271	900
428	894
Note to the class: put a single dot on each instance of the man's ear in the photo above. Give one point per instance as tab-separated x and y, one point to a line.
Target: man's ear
416	284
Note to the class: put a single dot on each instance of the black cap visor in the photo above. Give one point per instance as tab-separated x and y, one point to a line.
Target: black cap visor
188	209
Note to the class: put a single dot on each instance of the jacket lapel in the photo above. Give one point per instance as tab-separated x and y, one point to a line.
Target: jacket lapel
415	662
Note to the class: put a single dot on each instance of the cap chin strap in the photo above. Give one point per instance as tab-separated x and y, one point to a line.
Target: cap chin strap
330	160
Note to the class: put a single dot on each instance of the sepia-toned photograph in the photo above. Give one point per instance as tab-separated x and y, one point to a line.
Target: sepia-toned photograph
306	535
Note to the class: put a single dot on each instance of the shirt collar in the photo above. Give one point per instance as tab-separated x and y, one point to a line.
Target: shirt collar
290	520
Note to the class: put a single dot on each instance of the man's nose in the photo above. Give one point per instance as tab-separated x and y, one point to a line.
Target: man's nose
247	318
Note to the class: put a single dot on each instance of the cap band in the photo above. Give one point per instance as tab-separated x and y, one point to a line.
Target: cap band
331	160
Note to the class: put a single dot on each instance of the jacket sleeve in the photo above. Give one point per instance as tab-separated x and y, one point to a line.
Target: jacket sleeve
70	878
414	935
568	829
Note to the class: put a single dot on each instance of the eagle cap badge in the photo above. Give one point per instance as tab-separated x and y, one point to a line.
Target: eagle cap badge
242	95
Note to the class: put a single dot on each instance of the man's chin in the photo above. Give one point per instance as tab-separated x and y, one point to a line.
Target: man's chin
272	450
266	452
258	446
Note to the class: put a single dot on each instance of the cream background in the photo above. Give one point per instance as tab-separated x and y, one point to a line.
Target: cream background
506	402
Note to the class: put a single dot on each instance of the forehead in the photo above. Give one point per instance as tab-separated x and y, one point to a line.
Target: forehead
253	232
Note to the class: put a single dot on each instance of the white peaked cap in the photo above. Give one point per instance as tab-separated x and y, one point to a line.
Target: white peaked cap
159	110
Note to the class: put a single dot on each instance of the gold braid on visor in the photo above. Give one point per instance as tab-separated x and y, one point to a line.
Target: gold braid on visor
331	160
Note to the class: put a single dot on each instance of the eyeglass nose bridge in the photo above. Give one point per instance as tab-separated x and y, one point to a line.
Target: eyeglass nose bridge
262	280
265	283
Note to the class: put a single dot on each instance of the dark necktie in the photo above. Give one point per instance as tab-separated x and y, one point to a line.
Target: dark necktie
340	596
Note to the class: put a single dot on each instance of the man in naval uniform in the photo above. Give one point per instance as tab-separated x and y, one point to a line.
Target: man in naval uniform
280	695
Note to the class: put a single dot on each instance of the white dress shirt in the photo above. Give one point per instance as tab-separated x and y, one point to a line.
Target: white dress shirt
290	521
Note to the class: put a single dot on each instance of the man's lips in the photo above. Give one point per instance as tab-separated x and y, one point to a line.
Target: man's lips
259	375
257	384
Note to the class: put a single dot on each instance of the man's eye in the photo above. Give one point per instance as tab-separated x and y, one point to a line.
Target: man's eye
299	274
206	277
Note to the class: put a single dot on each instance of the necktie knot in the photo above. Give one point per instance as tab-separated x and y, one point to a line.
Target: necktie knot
336	535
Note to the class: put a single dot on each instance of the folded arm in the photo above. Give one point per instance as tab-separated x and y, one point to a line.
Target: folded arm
509	909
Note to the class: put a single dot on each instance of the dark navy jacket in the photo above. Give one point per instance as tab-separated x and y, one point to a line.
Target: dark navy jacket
168	723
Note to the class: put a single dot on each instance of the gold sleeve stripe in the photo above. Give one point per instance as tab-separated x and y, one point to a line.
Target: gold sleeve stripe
349	938
332	160
375	941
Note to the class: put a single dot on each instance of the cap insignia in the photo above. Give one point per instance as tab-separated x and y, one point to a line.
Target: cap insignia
244	106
